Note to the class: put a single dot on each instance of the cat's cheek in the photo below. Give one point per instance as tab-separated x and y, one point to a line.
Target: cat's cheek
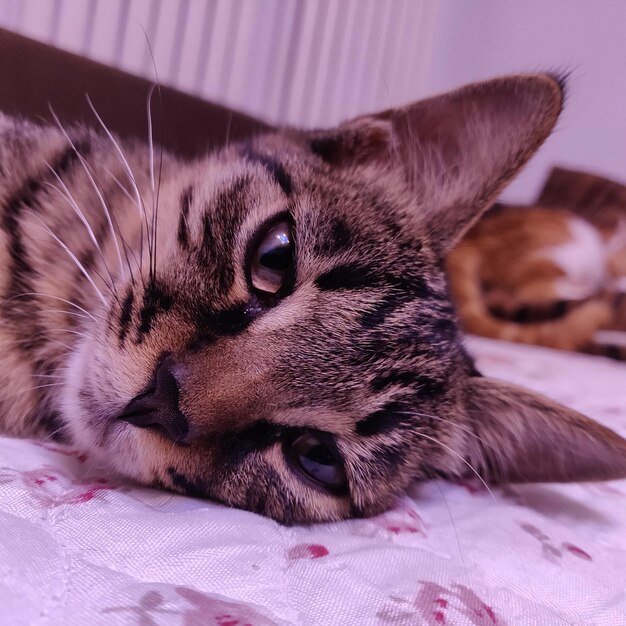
87	418
71	407
279	492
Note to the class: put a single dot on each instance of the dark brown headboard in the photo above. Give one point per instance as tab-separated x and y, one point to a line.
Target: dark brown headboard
32	75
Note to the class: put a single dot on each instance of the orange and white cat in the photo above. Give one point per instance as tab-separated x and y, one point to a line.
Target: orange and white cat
538	275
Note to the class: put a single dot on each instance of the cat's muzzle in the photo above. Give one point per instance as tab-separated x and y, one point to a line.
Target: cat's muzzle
157	407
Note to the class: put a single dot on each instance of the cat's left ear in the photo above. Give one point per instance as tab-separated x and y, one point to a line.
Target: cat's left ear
456	150
521	436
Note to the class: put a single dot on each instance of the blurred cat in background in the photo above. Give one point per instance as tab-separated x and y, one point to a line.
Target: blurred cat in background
539	275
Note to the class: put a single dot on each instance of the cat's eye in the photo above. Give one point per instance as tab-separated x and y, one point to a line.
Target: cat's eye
316	457
272	260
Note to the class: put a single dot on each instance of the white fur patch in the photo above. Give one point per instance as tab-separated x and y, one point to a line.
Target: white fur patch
583	259
619	284
610	337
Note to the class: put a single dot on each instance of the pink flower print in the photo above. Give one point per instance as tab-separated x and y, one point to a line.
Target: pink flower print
441	604
576	551
228	620
87	494
49	487
473	485
474	608
434	601
435	604
403	519
205	610
150	602
307	551
64	450
198	609
549	551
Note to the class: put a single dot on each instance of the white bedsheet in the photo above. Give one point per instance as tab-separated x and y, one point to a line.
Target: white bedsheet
78	550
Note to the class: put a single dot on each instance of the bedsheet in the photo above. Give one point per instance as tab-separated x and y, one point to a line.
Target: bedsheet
81	547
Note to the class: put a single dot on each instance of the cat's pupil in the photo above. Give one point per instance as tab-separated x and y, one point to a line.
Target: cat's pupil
276	259
318	461
320	455
273	259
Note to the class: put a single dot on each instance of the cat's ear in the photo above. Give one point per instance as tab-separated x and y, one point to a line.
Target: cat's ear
456	150
521	436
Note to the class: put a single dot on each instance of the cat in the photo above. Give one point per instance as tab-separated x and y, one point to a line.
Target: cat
270	326
538	275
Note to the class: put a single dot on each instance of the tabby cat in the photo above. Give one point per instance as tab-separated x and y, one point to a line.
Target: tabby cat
270	326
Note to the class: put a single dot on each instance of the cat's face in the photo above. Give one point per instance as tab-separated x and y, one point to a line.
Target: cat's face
294	351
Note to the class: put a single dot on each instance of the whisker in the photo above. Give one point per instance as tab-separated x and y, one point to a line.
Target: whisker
126	248
228	126
456	534
158	193
27	390
23	392
153	252
69	348
94	271
151	158
131	176
64	311
50	435
469	431
150	143
44	386
460	457
124	242
73	257
118	230
120	185
81	216
47	295
63	330
96	189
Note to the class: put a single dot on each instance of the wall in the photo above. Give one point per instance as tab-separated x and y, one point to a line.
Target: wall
310	63
315	62
482	38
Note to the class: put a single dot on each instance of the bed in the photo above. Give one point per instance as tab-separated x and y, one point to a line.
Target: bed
79	546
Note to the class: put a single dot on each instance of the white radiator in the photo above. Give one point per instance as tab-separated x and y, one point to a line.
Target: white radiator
304	62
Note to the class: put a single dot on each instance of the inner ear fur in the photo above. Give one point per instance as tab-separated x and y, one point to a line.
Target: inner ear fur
521	436
456	150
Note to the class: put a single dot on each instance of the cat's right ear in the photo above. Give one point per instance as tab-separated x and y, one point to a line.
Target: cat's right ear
520	436
456	151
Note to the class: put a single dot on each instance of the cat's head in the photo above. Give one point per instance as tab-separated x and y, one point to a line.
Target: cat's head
295	351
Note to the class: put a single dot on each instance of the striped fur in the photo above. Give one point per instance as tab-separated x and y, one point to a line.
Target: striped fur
99	293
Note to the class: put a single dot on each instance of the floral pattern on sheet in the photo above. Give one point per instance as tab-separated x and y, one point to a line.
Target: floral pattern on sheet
81	547
187	607
550	550
434	605
49	486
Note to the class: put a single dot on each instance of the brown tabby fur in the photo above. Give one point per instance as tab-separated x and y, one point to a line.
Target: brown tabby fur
365	347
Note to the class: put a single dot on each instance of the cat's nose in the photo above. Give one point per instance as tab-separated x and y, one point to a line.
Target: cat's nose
157	408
